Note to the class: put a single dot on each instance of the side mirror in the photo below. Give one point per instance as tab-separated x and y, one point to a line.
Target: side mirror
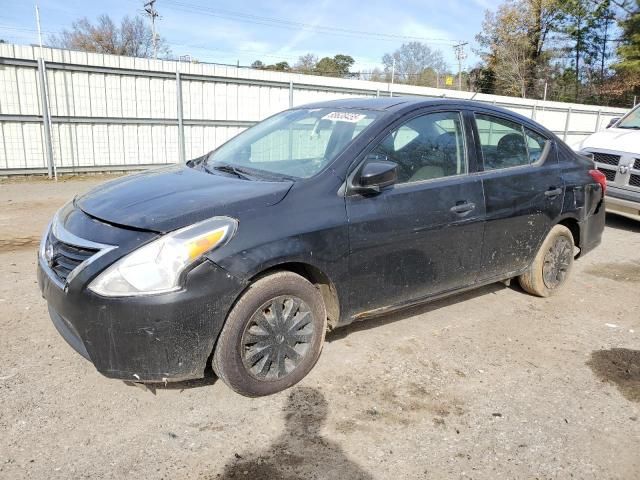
613	121
377	174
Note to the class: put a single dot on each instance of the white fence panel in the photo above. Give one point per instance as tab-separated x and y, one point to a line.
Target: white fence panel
112	112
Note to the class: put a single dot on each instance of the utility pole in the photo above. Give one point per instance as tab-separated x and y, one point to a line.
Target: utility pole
39	32
44	100
460	56
393	75
152	13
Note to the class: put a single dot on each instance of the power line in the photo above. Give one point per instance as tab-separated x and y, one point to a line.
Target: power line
292	25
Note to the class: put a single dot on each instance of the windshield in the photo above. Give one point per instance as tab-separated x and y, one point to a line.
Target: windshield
295	143
632	120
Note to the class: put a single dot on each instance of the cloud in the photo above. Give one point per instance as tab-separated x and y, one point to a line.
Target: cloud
308	32
431	35
485	4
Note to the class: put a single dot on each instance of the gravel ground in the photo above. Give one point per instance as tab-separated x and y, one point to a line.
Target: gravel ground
489	384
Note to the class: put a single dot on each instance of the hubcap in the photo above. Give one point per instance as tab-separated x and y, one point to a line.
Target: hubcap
277	338
556	262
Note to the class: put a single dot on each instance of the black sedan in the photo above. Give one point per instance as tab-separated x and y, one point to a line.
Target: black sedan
314	218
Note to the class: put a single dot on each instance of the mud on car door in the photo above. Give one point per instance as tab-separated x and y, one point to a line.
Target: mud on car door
523	187
422	235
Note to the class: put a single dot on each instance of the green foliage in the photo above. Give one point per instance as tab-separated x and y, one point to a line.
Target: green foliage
629	50
483	79
565	45
276	67
338	66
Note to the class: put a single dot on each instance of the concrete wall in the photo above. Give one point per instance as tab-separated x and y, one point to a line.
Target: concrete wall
112	112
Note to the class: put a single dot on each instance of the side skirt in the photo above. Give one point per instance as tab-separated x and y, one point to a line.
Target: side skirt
428	299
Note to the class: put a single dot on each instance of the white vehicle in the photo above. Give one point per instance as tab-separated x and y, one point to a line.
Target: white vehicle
616	152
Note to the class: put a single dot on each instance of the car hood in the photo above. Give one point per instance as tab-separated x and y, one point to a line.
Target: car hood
617	139
169	198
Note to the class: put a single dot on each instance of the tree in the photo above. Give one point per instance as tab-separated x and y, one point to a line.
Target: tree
513	44
415	63
602	35
483	79
628	65
306	64
542	18
338	66
578	22
376	75
565	45
133	37
279	67
507	51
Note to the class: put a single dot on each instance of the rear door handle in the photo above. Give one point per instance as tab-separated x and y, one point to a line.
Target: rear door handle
553	192
463	208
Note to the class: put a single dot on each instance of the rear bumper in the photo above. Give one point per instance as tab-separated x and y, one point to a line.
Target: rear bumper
628	208
155	338
592	227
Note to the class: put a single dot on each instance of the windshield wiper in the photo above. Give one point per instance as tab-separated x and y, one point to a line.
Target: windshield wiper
226	168
630	127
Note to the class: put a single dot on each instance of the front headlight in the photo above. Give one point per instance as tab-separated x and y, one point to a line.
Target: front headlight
157	266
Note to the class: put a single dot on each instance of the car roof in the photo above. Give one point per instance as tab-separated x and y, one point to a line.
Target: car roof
401	105
391	103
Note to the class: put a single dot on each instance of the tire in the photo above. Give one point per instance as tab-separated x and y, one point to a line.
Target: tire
551	268
255	358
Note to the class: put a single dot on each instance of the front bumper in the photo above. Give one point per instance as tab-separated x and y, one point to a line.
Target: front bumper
156	338
621	206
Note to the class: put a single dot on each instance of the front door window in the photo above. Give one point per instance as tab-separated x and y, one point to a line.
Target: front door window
427	147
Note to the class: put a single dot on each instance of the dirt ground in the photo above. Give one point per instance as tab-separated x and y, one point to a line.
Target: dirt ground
486	385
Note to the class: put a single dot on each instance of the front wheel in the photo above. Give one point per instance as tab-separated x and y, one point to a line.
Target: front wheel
272	337
550	269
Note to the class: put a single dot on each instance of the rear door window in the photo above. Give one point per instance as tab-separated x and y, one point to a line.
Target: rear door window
507	144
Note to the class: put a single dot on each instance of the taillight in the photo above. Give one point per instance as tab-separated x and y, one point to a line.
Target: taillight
599	177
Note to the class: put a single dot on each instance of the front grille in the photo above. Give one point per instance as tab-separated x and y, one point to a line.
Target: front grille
634	181
66	257
607	158
610	174
636	164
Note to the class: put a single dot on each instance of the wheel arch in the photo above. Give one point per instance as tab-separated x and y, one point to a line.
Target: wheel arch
574	227
314	275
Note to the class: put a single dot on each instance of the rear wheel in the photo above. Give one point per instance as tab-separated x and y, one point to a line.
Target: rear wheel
272	337
550	269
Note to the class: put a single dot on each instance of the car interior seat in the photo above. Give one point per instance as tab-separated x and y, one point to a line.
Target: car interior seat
441	160
512	151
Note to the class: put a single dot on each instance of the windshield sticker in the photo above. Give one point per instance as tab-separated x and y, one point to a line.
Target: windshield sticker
344	117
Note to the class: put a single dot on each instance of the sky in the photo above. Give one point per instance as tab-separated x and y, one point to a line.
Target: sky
247	30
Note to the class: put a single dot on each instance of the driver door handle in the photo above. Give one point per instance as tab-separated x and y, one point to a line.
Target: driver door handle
463	208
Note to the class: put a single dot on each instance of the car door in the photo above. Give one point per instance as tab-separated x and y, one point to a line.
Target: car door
423	235
523	188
